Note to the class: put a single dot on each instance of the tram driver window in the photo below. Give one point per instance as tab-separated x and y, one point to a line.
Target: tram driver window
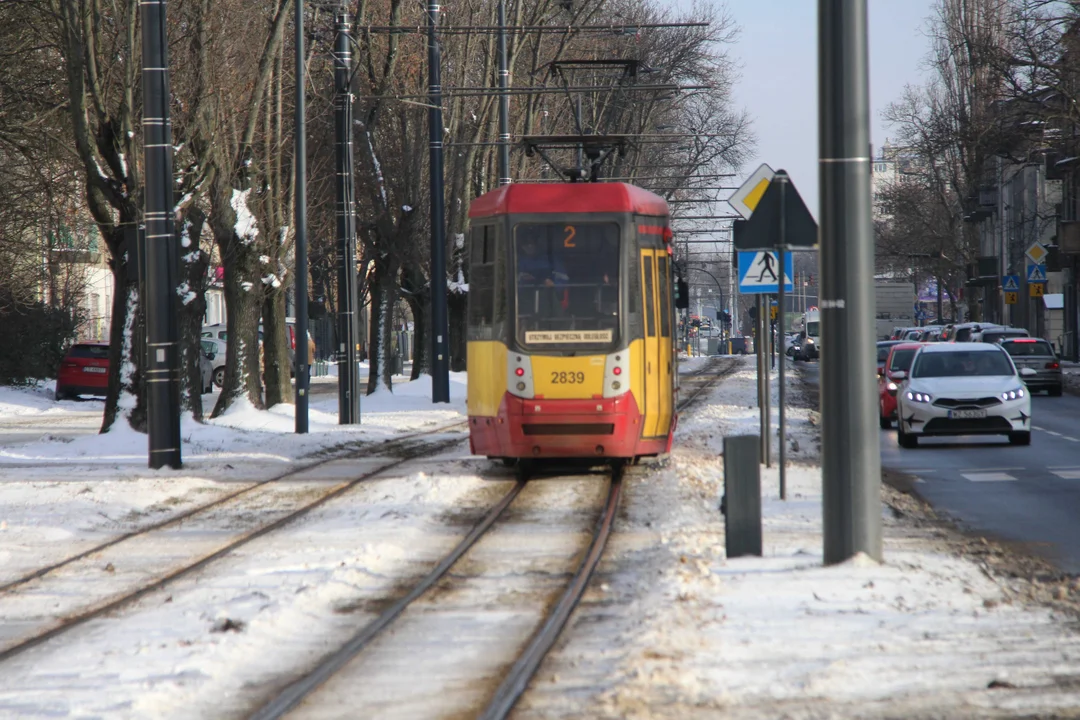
567	277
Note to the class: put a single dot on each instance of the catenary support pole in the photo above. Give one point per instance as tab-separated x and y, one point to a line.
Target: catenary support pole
162	256
300	198
504	101
348	367
440	324
851	458
781	314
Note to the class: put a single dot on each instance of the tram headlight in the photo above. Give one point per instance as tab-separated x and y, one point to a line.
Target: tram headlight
616	385
521	385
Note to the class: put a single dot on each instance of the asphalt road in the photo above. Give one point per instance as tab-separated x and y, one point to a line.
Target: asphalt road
1029	495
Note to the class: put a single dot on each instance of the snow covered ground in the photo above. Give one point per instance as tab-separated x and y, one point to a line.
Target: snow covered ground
670	627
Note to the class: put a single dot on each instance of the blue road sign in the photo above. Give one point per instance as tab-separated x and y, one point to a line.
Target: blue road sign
1010	283
1036	273
759	272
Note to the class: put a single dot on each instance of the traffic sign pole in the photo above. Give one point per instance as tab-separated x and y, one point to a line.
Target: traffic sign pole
782	177
851	456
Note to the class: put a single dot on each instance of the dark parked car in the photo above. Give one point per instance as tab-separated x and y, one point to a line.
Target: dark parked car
83	371
1037	354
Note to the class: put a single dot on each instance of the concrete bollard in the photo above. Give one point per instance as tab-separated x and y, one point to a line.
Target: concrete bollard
742	495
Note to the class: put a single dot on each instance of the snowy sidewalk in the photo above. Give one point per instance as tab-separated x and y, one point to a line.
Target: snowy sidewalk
927	634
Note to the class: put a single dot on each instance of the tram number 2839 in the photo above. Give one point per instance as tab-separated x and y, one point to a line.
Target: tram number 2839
567	378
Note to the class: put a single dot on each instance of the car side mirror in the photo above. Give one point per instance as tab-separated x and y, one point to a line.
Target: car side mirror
210	356
1027	372
899	375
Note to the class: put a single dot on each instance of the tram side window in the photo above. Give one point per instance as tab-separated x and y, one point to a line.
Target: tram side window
567	277
482	277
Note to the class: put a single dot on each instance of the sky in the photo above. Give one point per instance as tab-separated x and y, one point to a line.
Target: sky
777	49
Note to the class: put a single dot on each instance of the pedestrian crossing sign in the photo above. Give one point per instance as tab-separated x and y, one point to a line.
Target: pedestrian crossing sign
1010	283
1036	273
759	272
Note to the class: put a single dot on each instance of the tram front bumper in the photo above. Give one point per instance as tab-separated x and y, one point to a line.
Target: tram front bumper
600	427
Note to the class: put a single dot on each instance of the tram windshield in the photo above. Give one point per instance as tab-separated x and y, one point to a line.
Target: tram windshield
567	283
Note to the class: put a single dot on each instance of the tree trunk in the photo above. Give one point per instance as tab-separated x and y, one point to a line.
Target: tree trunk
384	295
127	341
275	348
418	295
192	310
243	296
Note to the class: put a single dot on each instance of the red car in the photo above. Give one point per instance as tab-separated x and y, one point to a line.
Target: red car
84	370
897	365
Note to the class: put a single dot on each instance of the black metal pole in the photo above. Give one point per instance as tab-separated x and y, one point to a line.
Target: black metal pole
440	326
504	101
300	197
348	370
162	326
781	302
851	456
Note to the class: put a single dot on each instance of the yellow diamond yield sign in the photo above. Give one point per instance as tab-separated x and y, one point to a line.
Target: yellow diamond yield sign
1037	253
747	197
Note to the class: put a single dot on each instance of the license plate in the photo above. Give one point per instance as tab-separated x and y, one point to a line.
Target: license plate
100	370
966	414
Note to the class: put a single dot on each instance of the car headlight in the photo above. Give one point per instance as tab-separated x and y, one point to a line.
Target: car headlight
891	387
1015	394
918	397
809	341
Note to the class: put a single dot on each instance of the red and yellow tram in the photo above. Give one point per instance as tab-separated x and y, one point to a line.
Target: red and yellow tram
571	328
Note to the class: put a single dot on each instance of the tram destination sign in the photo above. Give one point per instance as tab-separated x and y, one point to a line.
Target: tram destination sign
568	336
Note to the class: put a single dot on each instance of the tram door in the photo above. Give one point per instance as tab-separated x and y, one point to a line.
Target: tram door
652	409
666	346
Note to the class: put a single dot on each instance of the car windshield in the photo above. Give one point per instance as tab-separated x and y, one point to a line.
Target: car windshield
100	352
962	363
901	359
1036	347
568	282
812	329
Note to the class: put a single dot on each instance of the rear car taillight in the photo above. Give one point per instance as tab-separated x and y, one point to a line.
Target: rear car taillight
292	338
1052	366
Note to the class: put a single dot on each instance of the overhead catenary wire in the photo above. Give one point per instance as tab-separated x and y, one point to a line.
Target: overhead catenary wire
622	29
488	92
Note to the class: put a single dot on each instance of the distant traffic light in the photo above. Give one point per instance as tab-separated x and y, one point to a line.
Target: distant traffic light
682	294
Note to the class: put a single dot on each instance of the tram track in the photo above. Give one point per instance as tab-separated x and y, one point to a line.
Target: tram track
393	445
517	677
403	449
317	493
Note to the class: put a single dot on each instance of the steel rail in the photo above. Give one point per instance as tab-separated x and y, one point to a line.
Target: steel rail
130	597
365	451
292	695
515	682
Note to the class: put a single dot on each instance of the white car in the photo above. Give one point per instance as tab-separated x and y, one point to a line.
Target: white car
213	351
963	389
